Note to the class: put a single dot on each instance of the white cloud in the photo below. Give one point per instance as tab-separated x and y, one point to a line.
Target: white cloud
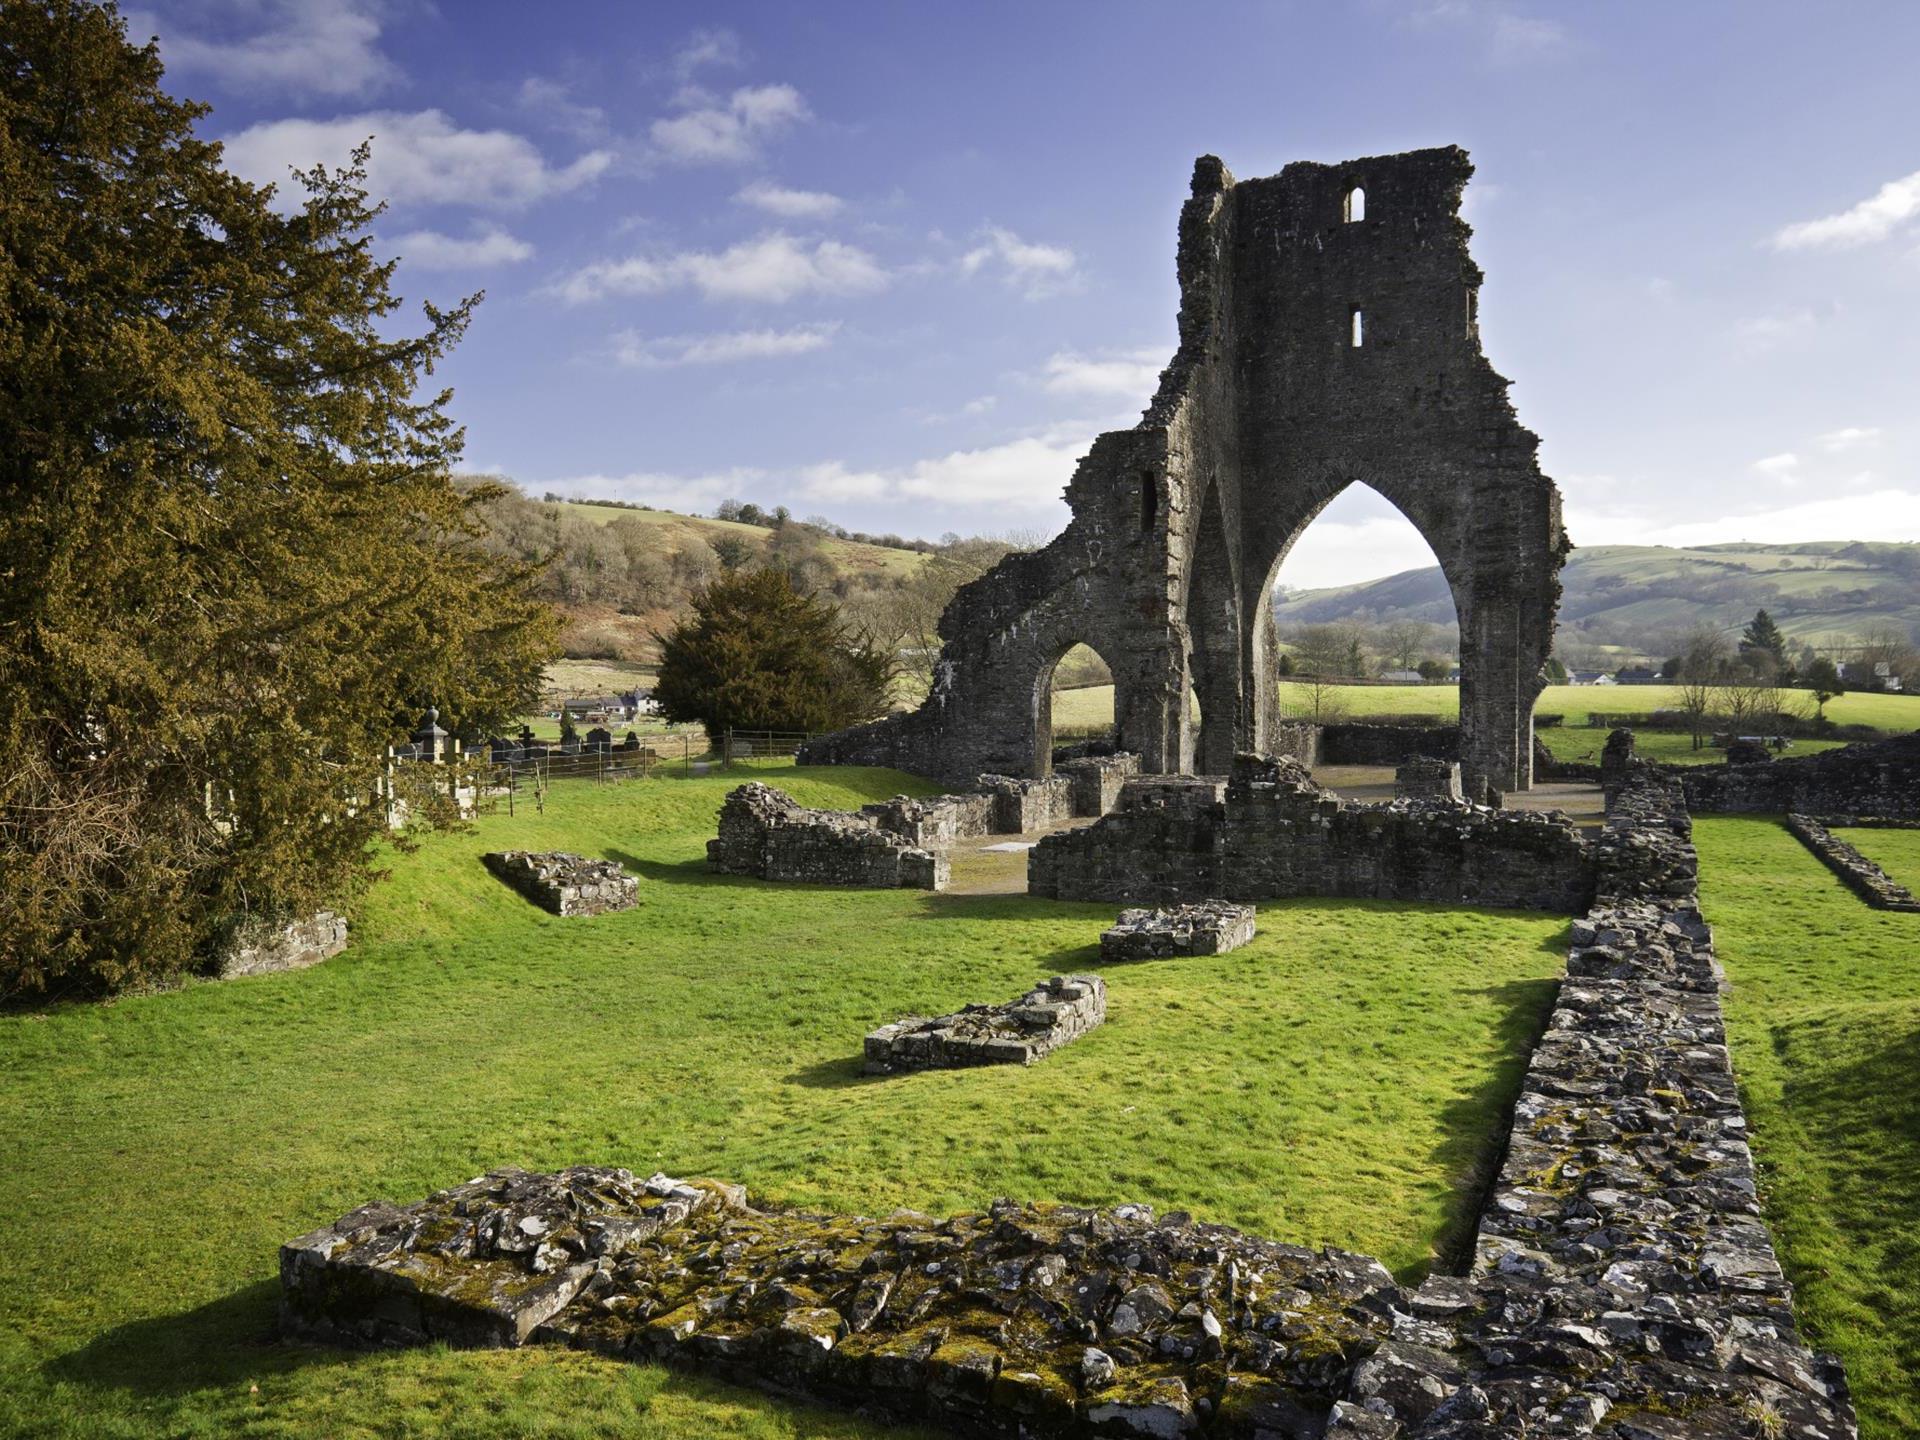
308	47
1510	36
1025	475
689	494
1879	513
1764	333
1131	375
1850	437
707	47
1335	551
418	157
773	269
730	133
1035	270
670	351
487	245
789	204
1783	467
553	102
1874	218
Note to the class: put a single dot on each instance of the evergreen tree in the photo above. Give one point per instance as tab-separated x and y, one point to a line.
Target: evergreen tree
1762	639
756	654
233	568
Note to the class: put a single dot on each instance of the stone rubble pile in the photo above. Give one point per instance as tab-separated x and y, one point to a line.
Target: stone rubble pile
1208	927
1053	1014
563	883
1861	875
1270	830
767	834
1025	1320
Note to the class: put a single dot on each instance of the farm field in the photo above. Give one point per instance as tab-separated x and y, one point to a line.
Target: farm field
1093	705
1314	1086
1824	1022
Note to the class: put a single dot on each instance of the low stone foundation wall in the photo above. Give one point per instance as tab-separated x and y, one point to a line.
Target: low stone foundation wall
1023	806
565	884
1271	831
936	823
767	834
1624	1283
1421	777
1053	1014
1881	777
1211	927
264	950
1035	1320
1856	871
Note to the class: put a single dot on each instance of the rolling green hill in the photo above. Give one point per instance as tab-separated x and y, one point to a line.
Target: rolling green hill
1817	591
675	529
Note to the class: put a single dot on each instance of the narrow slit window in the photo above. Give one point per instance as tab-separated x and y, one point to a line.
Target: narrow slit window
1356	204
1148	501
1359	332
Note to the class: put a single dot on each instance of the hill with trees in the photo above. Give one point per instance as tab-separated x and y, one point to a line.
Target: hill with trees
1623	600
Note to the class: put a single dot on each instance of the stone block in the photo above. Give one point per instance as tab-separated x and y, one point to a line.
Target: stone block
1210	927
1097	780
1021	807
1422	777
564	883
261	949
1019	1033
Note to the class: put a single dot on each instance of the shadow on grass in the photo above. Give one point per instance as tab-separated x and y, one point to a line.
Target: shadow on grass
670	872
843	1072
1479	1125
222	1343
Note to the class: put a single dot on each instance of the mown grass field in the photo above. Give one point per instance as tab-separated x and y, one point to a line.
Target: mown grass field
1824	1022
1572	739
1338	1081
1895	851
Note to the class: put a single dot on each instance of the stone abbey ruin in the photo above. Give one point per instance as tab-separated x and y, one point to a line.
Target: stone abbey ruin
1622	1281
1327	337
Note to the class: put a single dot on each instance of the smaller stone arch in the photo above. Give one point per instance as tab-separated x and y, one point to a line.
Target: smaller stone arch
1045	699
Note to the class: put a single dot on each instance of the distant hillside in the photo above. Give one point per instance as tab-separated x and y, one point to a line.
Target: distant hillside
676	529
1636	595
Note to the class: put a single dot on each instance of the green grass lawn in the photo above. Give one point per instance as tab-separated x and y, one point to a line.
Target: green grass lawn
1895	851
1824	1021
1338	1081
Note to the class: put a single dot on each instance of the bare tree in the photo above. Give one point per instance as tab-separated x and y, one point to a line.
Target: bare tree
1703	659
1406	641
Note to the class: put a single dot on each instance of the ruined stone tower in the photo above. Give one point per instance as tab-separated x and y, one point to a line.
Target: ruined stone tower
1327	337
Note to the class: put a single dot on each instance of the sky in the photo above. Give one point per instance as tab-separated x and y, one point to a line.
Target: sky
896	265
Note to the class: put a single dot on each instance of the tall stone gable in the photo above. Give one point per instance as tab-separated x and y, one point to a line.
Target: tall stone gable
1328	336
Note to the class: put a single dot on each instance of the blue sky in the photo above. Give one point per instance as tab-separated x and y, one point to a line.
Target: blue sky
896	264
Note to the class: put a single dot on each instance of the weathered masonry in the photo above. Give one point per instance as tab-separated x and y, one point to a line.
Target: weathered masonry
1322	343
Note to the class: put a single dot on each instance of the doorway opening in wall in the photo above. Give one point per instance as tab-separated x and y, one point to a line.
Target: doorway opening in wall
1078	703
1364	627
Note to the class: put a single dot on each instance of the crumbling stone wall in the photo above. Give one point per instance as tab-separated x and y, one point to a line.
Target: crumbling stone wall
1880	777
1097	780
262	949
563	883
1271	831
1355	742
937	823
1856	871
767	834
1316	350
1054	1013
1022	806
